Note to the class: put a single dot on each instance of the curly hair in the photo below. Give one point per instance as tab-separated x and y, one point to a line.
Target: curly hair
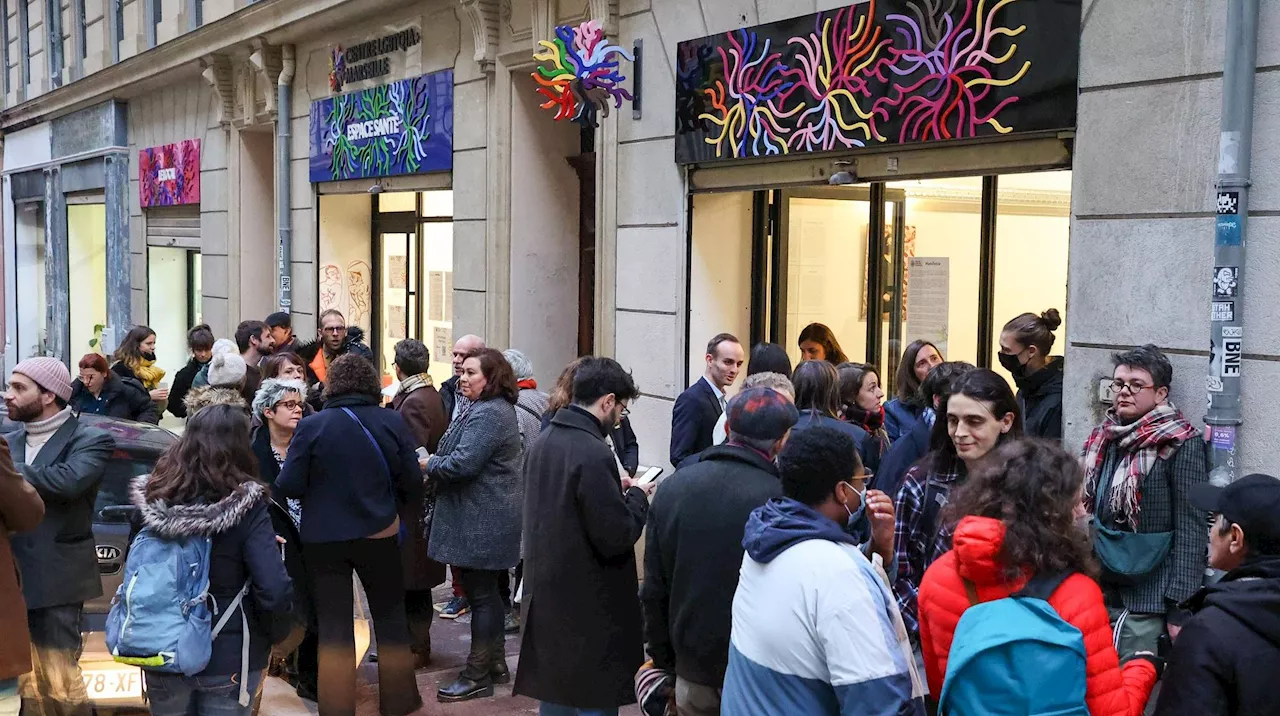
1033	487
351	374
210	461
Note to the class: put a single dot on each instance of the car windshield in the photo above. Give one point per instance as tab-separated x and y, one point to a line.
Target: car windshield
121	469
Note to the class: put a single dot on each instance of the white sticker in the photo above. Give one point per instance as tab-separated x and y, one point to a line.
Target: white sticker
1214	384
1233	332
1231	349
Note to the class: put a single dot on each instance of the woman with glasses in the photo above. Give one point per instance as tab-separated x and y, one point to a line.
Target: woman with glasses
1025	344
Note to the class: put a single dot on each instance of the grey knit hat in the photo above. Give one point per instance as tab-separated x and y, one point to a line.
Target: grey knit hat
226	370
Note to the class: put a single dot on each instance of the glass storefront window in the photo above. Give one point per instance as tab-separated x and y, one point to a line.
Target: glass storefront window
172	276
87	275
32	308
1032	230
826	271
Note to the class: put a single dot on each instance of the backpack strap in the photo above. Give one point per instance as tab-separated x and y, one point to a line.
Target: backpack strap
238	603
932	511
1042	586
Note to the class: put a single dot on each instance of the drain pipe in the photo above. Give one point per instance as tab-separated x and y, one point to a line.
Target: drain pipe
1226	327
284	178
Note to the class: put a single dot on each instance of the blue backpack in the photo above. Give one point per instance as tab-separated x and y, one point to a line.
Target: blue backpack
161	618
1015	656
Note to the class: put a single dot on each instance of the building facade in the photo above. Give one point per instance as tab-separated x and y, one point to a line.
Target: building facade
1071	168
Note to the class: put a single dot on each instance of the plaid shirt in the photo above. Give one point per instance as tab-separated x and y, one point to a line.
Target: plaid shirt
1165	508
913	534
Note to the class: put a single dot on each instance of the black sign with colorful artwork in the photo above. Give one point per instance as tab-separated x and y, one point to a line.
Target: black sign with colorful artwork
879	72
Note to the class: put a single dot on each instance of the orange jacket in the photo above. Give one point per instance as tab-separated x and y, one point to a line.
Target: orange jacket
1111	690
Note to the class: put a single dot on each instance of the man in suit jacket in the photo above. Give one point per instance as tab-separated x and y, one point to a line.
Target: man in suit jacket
693	420
64	461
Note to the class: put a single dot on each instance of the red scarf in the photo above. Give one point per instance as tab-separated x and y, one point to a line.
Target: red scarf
528	384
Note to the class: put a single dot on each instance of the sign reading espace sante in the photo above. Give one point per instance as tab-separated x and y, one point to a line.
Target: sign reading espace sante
169	175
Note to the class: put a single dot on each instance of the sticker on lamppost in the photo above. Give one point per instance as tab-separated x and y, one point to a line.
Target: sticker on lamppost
1223	311
1226	281
1228	202
1223	437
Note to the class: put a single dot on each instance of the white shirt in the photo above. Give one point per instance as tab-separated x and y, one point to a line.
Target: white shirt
718	393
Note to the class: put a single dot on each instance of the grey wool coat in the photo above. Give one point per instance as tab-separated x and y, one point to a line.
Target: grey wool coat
479	489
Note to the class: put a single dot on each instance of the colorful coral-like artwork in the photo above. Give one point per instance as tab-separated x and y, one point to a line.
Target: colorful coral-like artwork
405	127
878	72
580	73
169	175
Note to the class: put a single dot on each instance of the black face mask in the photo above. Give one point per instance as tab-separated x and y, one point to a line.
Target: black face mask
149	356
1010	363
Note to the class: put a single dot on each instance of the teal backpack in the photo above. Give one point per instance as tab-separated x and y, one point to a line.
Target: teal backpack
1015	657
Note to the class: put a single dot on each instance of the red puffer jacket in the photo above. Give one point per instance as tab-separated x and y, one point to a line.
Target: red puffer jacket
1111	690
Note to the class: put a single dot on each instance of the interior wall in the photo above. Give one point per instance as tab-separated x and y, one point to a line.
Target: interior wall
720	274
256	190
31	307
86	274
167	306
544	237
346	223
826	281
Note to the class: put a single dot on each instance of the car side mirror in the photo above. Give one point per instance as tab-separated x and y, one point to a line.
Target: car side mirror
118	513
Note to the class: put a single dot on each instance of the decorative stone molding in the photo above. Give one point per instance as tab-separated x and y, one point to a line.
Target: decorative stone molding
265	60
216	70
606	11
483	15
544	21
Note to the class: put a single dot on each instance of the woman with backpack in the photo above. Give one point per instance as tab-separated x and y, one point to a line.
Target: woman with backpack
1020	534
206	485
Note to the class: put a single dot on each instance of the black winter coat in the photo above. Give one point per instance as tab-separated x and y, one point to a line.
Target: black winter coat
244	550
125	398
181	386
583	639
1227	657
911	446
1040	397
693	552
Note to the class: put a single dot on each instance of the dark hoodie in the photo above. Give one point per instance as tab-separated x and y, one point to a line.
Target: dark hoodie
244	549
1227	657
1040	397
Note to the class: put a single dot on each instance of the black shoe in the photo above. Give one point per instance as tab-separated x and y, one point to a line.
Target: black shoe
308	692
372	656
499	673
464	689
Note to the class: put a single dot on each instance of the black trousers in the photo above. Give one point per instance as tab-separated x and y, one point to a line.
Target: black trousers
487	613
377	563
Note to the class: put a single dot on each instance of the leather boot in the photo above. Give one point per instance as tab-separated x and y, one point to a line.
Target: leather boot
464	689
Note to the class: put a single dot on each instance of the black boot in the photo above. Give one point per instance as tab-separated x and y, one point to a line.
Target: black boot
465	689
498	670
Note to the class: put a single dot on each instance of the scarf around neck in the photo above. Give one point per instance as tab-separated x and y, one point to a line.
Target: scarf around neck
147	372
414	382
869	420
528	384
1155	436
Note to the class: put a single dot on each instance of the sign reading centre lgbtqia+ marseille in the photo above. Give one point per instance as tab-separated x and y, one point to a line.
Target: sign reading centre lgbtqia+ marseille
169	175
404	127
878	73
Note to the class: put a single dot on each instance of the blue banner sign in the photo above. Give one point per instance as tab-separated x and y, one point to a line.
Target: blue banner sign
405	127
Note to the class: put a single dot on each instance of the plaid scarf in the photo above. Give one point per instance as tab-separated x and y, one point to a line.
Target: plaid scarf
414	382
1157	436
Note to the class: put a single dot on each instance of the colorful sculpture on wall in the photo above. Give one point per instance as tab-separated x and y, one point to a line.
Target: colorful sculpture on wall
580	74
169	175
878	72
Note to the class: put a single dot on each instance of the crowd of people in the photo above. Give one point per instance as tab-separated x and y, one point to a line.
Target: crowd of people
816	551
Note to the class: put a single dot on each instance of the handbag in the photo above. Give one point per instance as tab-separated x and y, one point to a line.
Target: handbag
1127	558
382	459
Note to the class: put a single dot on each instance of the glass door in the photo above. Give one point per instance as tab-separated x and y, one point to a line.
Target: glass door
399	287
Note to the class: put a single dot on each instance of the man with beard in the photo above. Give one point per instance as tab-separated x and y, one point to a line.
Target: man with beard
281	326
582	632
334	339
255	342
64	461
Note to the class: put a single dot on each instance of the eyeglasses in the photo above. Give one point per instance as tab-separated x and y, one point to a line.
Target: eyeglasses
1119	386
625	411
334	329
289	405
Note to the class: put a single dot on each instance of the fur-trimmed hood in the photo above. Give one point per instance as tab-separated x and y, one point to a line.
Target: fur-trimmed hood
206	520
207	395
353	344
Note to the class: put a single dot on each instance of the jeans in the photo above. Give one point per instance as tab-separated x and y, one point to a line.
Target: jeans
548	709
10	701
377	562
487	615
55	686
178	695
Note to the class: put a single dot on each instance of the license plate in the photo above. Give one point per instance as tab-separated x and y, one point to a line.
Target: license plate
125	683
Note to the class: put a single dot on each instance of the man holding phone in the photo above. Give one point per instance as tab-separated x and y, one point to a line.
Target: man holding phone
694	546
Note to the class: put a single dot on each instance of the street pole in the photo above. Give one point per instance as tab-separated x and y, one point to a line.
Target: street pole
1226	326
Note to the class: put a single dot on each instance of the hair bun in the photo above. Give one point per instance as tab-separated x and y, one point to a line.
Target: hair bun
1052	319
